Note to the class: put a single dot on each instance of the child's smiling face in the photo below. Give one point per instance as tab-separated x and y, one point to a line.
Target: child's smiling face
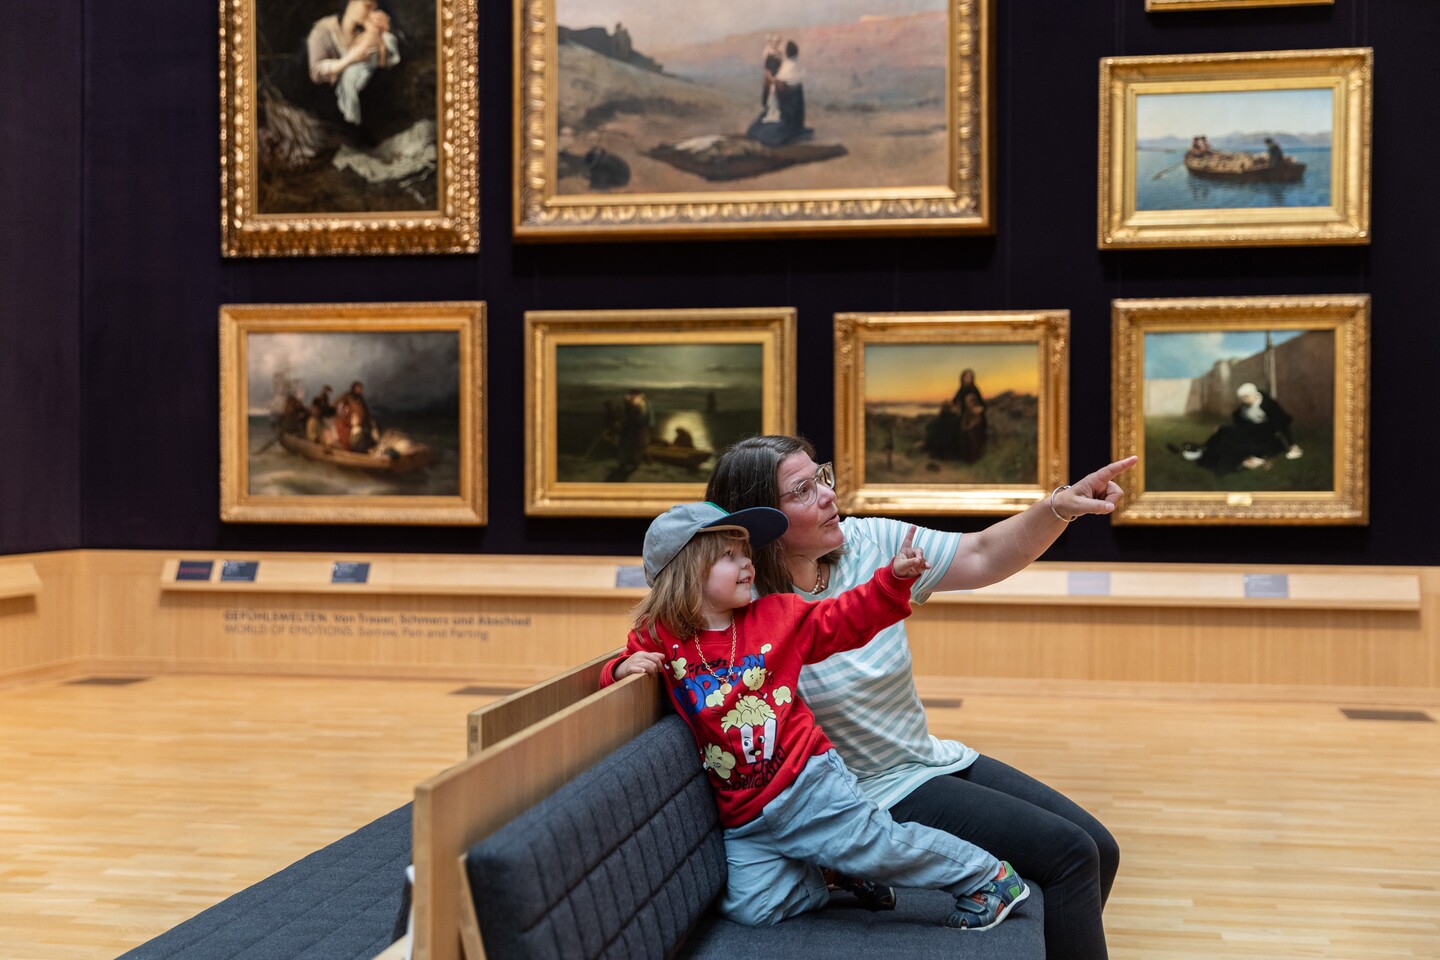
727	585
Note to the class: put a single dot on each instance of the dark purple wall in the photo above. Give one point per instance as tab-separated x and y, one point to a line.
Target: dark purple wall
152	279
40	200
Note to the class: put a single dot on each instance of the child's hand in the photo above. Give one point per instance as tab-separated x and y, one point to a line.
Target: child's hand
646	661
910	561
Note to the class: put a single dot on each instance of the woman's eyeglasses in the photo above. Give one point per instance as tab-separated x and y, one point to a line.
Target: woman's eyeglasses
806	491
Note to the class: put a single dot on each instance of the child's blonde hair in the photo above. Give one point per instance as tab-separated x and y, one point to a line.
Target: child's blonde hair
679	589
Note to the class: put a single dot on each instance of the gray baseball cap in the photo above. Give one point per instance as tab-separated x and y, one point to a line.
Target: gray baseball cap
674	528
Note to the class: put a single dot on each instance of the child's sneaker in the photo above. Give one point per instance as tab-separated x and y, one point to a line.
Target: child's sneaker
872	896
986	907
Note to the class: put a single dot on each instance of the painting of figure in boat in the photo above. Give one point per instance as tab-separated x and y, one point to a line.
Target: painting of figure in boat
629	408
1253	148
392	426
1261	148
1247	410
949	413
667	100
337	415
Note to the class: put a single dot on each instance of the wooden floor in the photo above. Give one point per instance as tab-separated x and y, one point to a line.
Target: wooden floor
1247	830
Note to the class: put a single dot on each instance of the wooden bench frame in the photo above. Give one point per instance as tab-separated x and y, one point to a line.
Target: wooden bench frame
471	800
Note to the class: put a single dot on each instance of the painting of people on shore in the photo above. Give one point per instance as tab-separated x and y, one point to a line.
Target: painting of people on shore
749	106
669	97
952	413
1240	410
1234	148
391	427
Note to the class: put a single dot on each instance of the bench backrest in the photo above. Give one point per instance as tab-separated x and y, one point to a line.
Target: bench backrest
472	799
620	862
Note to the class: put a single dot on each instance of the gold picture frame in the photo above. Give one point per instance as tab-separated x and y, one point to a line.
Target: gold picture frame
904	444
1289	163
323	156
1243	410
409	450
1167	5
626	410
610	143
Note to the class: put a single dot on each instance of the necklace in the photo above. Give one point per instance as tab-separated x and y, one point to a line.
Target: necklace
724	687
821	581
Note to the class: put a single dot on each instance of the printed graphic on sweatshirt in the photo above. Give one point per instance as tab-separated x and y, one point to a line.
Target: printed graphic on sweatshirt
750	724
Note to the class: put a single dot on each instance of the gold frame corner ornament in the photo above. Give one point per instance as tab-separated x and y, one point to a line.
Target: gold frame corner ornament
1347	316
454	227
1348	72
468	507
1048	330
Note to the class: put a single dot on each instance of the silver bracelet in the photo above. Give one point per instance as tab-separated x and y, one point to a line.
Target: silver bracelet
1057	512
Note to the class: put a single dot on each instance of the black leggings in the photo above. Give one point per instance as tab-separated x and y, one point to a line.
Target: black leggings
1047	837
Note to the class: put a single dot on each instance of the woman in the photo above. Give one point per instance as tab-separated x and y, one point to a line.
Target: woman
866	699
970	409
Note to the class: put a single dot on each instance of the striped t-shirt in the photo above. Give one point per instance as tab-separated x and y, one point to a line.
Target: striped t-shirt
865	699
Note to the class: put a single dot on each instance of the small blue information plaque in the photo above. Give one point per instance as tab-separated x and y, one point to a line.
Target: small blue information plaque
194	569
350	571
1089	583
630	576
239	571
1267	586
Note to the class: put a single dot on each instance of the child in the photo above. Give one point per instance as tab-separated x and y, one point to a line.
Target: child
786	800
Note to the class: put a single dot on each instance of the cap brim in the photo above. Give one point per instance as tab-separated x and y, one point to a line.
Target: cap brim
763	525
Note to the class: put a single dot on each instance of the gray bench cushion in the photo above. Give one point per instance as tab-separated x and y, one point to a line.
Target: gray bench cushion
624	860
844	929
619	862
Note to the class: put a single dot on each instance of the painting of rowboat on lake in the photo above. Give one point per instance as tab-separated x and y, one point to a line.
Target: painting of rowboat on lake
1254	148
1261	148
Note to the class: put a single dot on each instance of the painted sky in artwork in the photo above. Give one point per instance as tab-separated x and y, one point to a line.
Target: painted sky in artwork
707	366
1171	356
930	372
1187	115
400	370
669	23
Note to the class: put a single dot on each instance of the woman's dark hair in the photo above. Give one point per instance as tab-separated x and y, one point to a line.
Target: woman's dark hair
744	477
791	49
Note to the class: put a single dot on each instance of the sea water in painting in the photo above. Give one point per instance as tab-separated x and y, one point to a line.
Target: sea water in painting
346	106
673	96
1233	149
964	413
1239	410
353	414
653	413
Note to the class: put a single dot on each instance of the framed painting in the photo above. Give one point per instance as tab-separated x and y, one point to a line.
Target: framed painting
950	413
1162	5
348	127
353	413
661	118
1238	149
1243	410
626	411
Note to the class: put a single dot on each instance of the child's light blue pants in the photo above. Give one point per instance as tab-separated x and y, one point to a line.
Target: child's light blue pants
823	820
